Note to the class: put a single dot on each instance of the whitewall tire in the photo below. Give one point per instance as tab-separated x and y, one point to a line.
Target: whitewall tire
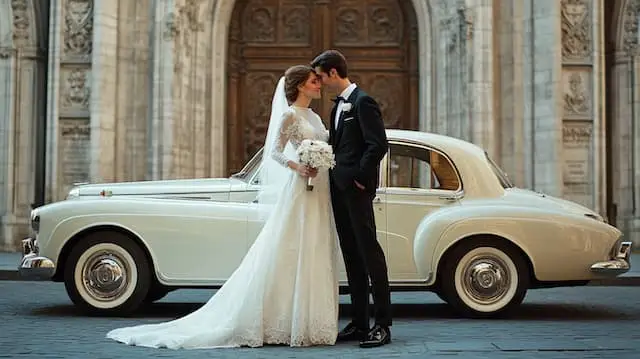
484	278
107	273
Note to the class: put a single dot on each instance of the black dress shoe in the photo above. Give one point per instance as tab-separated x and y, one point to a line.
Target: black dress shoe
378	336
351	332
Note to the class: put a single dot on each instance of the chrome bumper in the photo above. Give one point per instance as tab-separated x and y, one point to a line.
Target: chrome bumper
619	264
32	265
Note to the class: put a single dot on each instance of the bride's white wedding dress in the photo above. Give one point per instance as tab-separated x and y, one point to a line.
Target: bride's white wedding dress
285	291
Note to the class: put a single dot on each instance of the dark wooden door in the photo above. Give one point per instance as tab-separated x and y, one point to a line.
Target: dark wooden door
378	37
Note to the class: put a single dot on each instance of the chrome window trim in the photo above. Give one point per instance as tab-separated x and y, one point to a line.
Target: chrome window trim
384	171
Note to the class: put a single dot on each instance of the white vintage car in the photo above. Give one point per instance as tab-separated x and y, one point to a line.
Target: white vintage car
448	219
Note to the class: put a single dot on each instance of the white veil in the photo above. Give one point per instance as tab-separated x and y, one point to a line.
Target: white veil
273	176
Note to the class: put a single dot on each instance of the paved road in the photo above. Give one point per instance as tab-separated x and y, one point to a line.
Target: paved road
37	320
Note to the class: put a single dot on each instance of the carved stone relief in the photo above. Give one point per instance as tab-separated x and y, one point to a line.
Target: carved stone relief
5	52
369	23
385	24
457	28
630	36
20	21
296	26
78	27
74	153
577	171
576	30
577	94
349	26
259	24
181	26
75	89
258	102
387	90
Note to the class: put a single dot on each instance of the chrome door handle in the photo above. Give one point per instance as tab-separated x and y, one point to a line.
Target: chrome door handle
449	197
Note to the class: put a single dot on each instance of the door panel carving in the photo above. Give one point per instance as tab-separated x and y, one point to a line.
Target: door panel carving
267	36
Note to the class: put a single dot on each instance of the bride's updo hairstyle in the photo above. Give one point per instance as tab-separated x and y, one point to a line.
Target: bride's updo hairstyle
294	77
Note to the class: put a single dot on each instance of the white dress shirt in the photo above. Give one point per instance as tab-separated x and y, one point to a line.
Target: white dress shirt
345	95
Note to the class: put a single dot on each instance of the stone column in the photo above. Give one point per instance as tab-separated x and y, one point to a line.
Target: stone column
131	99
508	71
164	30
191	45
477	18
542	71
69	96
21	72
583	123
626	123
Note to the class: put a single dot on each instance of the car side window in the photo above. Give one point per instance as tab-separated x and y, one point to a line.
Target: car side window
418	167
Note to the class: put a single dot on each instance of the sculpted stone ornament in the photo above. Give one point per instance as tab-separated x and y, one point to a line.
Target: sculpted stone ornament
5	52
576	102
171	26
77	92
180	26
78	27
576	30
20	21
631	13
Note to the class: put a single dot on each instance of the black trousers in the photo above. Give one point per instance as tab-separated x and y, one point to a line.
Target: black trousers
363	256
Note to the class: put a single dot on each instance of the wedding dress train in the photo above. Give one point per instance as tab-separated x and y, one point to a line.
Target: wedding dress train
285	291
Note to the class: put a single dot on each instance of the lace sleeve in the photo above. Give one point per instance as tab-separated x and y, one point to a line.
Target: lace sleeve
288	130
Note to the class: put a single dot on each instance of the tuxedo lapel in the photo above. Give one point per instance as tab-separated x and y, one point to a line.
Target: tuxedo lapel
332	125
351	99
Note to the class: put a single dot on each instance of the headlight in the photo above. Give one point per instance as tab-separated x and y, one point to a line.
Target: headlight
35	223
75	192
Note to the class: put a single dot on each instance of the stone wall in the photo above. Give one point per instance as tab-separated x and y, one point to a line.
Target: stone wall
136	90
22	95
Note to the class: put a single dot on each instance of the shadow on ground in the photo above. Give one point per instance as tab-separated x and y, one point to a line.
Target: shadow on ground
526	312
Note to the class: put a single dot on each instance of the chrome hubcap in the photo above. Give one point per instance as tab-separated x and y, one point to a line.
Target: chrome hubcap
105	276
486	279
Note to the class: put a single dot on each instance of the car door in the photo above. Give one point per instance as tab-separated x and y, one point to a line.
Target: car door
419	181
379	211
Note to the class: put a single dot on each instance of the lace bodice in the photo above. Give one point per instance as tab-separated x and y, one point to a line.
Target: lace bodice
298	124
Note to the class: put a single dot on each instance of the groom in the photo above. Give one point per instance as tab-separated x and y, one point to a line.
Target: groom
359	142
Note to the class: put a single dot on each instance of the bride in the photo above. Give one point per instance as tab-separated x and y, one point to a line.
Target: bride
285	291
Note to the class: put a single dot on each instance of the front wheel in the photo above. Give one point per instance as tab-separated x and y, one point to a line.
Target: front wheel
484	278
107	273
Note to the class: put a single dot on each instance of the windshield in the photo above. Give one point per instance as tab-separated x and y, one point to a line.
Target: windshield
250	170
502	177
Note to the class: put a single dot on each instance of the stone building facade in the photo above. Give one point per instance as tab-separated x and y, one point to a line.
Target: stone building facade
127	90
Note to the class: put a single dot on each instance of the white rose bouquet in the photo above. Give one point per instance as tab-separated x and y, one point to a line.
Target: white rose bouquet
316	154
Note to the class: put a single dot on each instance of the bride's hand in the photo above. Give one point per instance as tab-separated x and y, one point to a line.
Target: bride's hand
306	171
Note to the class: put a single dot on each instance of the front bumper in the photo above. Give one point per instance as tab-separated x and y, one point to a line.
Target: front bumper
618	264
32	265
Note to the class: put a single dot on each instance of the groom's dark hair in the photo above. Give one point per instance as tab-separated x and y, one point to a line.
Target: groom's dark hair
331	59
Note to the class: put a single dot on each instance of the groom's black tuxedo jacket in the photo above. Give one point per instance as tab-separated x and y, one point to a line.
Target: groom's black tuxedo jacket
359	143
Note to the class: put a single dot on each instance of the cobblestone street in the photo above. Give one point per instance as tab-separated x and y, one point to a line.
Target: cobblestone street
39	321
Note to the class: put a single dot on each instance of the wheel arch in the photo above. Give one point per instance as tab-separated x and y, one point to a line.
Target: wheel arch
80	235
488	236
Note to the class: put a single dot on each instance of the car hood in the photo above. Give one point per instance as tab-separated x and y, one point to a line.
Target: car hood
520	196
165	187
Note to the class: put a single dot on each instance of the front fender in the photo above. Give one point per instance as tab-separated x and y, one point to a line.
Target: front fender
559	245
61	221
71	227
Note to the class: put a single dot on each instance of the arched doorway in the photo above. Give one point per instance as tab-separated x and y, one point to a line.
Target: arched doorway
379	38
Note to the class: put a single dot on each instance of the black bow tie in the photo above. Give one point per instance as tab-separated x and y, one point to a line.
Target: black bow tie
337	99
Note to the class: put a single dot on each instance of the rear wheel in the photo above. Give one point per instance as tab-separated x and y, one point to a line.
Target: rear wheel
107	273
484	278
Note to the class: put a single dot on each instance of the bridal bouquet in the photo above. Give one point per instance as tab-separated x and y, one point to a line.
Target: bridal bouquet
316	154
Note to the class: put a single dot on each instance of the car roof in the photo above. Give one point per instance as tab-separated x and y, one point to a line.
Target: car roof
441	142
